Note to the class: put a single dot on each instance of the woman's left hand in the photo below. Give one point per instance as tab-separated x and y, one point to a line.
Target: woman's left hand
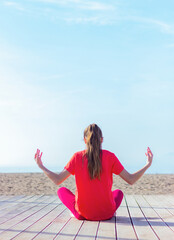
149	155
37	158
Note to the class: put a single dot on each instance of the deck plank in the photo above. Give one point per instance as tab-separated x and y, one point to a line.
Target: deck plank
5	201
107	228
70	229
124	228
170	199
44	217
154	220
14	226
24	206
8	197
166	203
162	212
12	206
88	230
141	226
41	224
53	230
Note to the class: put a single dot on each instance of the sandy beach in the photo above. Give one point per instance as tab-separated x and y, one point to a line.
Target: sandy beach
38	183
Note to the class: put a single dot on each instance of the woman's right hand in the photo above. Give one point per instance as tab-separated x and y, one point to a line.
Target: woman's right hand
149	155
37	158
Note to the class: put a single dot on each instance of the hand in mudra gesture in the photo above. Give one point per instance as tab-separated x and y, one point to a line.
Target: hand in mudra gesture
149	155
37	158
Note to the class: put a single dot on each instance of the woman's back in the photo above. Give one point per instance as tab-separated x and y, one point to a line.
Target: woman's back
94	199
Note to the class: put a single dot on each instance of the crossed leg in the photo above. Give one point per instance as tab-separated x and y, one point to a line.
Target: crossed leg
68	199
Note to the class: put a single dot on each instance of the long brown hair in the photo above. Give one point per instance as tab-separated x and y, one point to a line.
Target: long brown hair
93	136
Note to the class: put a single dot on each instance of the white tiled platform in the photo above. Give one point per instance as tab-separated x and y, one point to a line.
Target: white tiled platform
44	217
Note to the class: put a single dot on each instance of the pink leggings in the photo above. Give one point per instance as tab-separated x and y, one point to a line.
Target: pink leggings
68	199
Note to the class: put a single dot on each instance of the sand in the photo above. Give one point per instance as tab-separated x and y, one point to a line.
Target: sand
38	183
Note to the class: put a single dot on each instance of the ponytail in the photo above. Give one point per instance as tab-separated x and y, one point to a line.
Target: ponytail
93	136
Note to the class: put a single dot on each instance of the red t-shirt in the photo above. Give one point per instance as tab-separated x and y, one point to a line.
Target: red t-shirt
94	199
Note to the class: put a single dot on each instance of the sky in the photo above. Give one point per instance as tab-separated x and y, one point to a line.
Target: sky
67	63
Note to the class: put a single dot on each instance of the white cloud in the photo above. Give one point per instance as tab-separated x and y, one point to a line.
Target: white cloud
102	13
95	6
163	26
93	20
81	4
14	5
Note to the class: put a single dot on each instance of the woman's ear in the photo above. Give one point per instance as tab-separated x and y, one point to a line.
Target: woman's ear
85	140
102	140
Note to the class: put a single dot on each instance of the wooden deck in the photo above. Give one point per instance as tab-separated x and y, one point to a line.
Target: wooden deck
44	217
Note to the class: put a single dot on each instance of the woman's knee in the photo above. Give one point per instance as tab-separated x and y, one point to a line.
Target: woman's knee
65	194
118	196
61	191
120	193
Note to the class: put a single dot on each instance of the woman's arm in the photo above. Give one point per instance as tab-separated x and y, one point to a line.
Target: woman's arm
132	178
56	178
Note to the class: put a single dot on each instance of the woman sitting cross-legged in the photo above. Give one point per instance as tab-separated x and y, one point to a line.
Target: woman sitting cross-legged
93	169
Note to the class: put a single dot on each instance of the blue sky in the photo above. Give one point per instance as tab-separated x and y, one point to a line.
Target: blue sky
67	63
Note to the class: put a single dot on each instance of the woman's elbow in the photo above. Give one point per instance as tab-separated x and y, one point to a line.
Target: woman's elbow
131	183
58	182
131	180
127	177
